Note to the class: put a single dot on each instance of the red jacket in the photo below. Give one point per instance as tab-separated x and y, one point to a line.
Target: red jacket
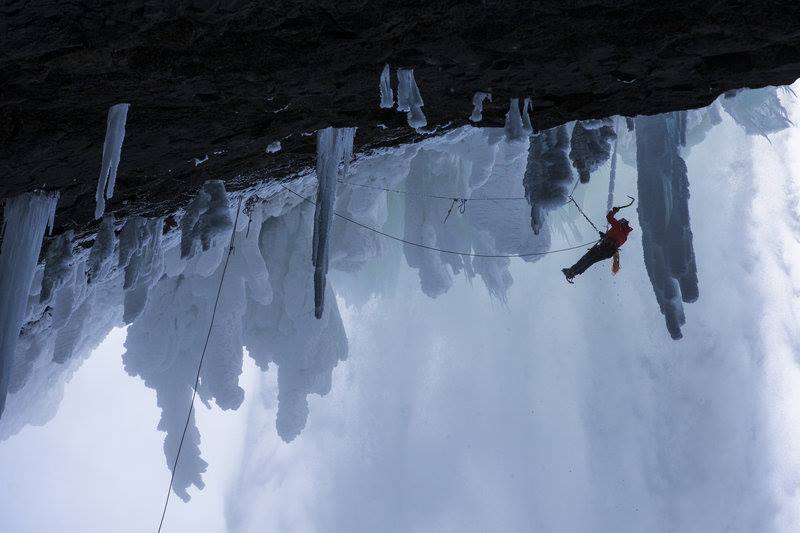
617	233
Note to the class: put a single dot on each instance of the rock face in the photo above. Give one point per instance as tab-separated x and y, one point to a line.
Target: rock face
224	79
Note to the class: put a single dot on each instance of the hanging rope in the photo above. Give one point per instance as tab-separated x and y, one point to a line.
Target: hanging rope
200	366
571	199
433	248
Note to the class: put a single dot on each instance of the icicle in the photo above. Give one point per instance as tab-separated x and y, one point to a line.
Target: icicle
477	105
387	94
527	127
112	147
409	99
334	146
25	219
515	129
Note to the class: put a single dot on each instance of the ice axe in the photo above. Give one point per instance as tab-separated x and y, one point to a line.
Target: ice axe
628	204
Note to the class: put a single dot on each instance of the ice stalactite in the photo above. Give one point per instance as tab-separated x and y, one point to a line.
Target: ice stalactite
163	347
409	99
548	174
112	148
758	111
334	147
145	265
590	146
25	219
477	105
664	216
284	331
518	125
387	94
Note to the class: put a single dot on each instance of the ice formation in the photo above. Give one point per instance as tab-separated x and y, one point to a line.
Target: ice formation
758	111
112	148
476	164
198	161
548	175
387	94
25	219
664	216
273	147
514	127
590	146
206	217
477	105
334	147
409	99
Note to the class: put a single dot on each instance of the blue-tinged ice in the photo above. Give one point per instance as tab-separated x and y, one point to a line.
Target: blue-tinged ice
25	219
112	148
477	105
548	175
409	99
758	111
387	94
206	217
664	216
515	126
58	265
101	256
273	147
334	147
590	145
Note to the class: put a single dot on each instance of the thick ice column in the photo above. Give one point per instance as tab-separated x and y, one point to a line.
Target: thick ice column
477	105
590	146
334	146
25	218
664	216
112	147
409	99
548	174
387	94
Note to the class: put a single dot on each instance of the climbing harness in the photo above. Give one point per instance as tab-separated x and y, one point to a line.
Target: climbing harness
200	364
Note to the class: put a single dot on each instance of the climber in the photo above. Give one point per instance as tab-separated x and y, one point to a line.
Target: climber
607	247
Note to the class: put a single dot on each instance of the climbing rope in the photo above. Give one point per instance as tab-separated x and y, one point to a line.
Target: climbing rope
424	195
200	366
571	199
433	248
